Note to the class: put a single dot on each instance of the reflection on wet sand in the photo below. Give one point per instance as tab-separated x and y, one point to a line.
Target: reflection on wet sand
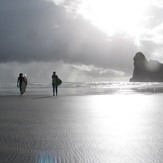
81	129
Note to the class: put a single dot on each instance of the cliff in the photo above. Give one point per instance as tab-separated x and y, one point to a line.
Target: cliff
146	71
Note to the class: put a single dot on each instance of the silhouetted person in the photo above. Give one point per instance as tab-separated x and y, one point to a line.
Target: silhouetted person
55	82
20	80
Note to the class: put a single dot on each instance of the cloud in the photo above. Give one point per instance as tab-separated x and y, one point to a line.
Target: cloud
158	3
38	30
152	43
97	72
49	31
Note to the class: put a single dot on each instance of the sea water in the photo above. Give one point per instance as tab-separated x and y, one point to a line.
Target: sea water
80	88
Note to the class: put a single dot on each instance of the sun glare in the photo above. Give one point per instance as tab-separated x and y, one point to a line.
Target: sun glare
113	16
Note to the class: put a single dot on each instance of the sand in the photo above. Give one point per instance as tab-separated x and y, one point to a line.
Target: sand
112	128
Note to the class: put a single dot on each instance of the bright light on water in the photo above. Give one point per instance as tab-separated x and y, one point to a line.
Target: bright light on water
120	118
80	88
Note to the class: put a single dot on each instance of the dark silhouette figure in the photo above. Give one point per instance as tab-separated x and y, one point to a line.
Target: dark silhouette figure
20	81
55	82
146	71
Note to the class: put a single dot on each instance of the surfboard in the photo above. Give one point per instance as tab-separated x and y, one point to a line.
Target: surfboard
59	81
23	85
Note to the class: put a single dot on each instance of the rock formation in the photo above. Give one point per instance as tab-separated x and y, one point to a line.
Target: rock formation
146	71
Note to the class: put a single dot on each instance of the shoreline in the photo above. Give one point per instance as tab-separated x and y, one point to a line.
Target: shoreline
75	91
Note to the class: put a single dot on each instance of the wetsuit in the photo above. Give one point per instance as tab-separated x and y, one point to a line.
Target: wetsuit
19	82
55	84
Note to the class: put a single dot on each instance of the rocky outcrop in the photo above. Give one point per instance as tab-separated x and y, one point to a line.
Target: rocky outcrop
146	71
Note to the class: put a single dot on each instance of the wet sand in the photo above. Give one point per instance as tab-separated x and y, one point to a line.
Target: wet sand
114	128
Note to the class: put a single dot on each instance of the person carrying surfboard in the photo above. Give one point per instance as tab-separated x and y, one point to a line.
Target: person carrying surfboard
55	82
22	83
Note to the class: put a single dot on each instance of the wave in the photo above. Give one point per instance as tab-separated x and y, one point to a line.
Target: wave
111	85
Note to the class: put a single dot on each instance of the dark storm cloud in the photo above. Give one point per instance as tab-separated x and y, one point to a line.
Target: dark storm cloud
37	30
27	29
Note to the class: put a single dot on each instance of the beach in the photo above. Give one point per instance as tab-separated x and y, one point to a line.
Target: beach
81	128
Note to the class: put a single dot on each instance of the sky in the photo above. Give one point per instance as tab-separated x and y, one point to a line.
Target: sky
82	40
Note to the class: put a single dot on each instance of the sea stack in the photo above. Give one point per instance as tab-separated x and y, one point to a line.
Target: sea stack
146	71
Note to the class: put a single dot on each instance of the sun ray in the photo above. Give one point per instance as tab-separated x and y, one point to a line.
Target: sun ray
113	16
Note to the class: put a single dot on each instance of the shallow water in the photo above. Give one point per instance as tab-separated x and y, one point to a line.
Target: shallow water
82	88
116	128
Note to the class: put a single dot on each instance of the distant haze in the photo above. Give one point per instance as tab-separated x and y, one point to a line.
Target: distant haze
38	37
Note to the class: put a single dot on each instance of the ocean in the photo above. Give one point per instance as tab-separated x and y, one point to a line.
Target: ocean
90	88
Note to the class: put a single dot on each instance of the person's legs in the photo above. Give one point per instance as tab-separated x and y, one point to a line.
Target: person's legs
56	88
53	90
20	86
